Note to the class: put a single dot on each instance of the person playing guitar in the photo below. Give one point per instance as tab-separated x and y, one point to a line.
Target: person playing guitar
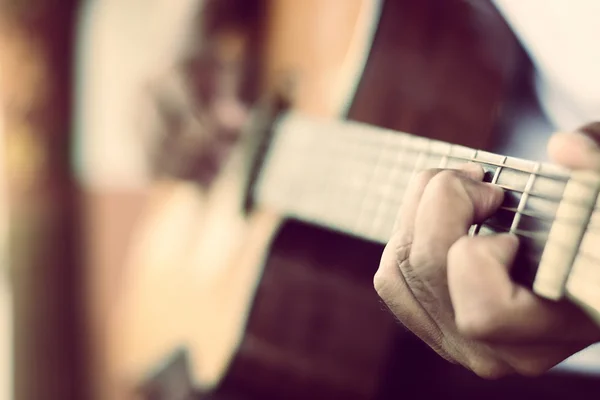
456	291
453	290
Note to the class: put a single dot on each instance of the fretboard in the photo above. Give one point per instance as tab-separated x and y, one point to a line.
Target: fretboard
352	177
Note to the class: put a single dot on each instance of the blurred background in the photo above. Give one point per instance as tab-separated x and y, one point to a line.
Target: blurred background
116	117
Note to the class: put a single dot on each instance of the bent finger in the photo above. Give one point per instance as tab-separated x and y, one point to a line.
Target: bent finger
489	306
397	296
577	150
450	204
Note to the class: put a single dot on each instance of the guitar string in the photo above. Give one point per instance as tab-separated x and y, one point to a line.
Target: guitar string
544	240
536	215
540	237
420	153
428	153
503	165
537	237
555	199
407	168
376	138
531	214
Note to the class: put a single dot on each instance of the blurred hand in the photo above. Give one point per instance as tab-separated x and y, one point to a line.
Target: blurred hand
455	291
193	114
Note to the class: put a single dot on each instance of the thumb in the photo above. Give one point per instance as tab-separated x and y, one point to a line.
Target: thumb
489	306
577	150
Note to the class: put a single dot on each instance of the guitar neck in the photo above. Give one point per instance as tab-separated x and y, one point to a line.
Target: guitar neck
351	177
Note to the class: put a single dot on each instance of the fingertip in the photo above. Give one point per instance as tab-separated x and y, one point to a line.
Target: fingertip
479	283
496	191
556	145
504	248
507	239
501	248
472	170
574	150
486	201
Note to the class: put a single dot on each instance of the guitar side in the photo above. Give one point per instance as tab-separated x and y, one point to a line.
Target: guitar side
170	280
200	302
149	329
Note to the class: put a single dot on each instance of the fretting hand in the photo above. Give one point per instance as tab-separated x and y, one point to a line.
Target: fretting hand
455	291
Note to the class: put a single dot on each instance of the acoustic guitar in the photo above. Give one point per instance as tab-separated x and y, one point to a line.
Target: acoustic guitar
239	310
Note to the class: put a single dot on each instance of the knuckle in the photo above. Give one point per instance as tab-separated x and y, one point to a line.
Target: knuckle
476	325
480	322
380	283
382	277
422	178
463	255
461	248
428	254
419	257
490	368
531	367
445	181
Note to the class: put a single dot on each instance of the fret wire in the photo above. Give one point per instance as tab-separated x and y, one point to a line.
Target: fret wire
555	199
494	164
444	161
506	187
537	236
334	209
539	216
524	197
517	169
360	137
404	183
423	155
587	271
504	229
418	161
388	187
517	210
494	181
503	165
540	195
474	230
519	232
390	201
366	192
562	245
497	171
534	172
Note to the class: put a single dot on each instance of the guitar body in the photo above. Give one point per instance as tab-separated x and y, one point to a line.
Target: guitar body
247	305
